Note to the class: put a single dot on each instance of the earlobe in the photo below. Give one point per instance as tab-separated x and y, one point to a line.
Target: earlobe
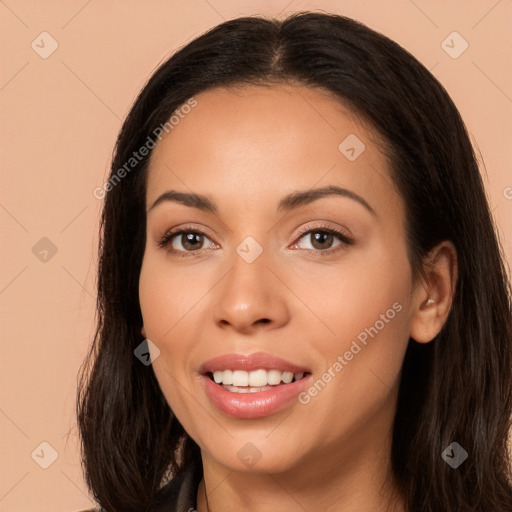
143	332
433	297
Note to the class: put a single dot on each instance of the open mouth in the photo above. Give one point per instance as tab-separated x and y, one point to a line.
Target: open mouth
255	381
255	385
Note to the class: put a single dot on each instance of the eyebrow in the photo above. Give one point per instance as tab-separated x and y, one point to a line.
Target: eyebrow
290	202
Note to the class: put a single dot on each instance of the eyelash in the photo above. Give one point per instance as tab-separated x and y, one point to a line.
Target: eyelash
345	240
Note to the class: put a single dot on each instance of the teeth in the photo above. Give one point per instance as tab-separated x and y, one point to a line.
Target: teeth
234	389
274	377
255	379
240	378
287	377
227	377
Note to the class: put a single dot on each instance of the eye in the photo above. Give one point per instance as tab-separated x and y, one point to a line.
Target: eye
189	241
184	241
321	240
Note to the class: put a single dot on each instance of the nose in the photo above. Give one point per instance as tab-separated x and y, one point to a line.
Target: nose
250	297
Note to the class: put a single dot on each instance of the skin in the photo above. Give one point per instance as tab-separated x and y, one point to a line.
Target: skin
246	148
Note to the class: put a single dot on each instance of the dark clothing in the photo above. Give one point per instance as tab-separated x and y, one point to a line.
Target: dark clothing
180	494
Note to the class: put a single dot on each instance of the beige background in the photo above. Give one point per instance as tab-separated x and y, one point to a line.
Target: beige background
60	117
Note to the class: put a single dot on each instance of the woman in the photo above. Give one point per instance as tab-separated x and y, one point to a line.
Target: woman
302	301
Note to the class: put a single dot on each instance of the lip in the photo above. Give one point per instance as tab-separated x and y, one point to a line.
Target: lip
252	405
251	362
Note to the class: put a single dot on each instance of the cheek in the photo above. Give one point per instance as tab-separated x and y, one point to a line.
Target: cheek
353	296
365	309
169	303
355	385
168	296
174	303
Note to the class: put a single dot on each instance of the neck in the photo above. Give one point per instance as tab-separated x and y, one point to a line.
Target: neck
357	477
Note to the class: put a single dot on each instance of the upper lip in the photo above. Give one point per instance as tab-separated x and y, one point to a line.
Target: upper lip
250	362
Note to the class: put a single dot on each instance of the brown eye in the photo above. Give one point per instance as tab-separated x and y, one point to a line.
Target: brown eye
323	240
184	241
191	241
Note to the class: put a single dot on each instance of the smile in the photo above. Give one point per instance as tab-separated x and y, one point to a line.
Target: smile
252	386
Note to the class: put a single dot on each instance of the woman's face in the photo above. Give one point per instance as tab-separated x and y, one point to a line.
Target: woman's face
263	289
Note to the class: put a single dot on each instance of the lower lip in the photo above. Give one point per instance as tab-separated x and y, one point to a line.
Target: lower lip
253	405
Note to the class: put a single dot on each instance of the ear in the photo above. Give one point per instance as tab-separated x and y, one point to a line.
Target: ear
143	332
434	293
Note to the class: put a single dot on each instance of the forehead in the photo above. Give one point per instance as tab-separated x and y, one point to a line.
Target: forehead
225	117
250	142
